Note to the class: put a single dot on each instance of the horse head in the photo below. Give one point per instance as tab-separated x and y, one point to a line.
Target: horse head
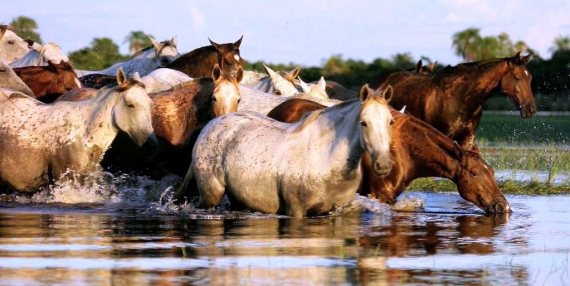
375	120
66	77
12	46
226	95
281	85
229	58
476	182
515	83
166	51
132	111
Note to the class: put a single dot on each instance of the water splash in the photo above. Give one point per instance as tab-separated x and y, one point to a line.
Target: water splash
372	205
410	203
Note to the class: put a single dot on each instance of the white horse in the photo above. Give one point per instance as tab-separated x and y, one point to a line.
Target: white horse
39	55
12	46
277	83
158	55
163	79
40	143
298	169
11	83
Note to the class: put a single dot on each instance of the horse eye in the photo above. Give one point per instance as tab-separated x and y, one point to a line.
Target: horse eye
214	99
392	121
130	105
2	70
364	124
239	100
11	42
517	78
278	92
473	174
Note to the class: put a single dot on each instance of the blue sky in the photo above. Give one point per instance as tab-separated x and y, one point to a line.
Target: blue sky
305	32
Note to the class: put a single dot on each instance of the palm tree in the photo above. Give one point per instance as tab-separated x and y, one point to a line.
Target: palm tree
467	43
137	41
561	43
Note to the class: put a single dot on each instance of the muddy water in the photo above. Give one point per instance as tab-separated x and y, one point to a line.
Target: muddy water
105	237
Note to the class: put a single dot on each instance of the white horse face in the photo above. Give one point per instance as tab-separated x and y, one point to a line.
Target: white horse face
375	120
281	86
132	113
164	52
226	94
12	47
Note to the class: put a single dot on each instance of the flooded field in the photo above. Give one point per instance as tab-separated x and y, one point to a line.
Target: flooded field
133	237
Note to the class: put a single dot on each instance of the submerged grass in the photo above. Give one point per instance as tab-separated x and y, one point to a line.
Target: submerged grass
507	187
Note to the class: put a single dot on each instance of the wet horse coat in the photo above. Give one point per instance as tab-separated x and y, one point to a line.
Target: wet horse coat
451	99
417	150
299	169
43	143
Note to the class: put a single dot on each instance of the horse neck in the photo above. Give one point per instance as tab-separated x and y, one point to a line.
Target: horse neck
430	152
479	80
337	124
98	112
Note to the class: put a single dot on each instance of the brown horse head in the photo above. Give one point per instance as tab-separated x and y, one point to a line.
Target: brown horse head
49	82
515	83
67	79
476	182
228	55
226	95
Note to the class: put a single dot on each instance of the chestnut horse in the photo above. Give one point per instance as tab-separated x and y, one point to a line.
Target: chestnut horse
49	82
175	114
451	99
417	150
199	62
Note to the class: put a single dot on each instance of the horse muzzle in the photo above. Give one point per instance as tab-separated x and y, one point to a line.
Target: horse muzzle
381	168
528	110
499	208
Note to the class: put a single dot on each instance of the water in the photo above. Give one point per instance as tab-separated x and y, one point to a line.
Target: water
132	234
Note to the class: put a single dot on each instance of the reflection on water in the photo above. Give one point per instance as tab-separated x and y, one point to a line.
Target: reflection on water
448	241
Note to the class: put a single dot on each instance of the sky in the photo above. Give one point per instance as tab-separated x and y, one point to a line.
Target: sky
305	32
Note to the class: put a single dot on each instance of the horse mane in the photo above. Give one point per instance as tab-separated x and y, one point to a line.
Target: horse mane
123	87
165	44
45	46
3	29
307	119
194	81
468	67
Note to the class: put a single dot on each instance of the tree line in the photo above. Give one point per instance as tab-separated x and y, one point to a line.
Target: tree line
550	84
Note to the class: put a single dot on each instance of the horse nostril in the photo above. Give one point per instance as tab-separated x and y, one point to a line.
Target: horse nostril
501	208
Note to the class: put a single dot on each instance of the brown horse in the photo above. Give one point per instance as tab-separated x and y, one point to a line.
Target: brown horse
175	114
49	82
96	80
199	62
418	150
451	99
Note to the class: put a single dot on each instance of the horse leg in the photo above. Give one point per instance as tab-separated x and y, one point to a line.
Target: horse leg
211	191
188	190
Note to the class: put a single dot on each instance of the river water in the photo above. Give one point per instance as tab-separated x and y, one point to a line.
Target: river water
133	235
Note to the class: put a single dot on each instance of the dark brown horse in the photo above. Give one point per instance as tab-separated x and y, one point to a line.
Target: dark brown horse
49	82
199	62
97	80
175	114
418	150
451	99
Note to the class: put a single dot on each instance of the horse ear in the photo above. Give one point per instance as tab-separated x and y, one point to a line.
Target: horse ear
216	45
239	74
295	72
403	109
51	66
322	83
174	42
304	86
432	67
419	66
270	72
216	72
121	78
364	93
238	42
526	58
388	92
137	77
155	44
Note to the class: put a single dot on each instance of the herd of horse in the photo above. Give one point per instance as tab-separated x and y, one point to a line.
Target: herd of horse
269	142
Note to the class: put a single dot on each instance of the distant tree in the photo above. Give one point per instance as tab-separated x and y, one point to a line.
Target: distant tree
137	40
561	43
403	61
102	54
466	43
26	28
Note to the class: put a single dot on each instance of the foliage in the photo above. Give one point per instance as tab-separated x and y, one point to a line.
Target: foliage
26	28
102	54
137	40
